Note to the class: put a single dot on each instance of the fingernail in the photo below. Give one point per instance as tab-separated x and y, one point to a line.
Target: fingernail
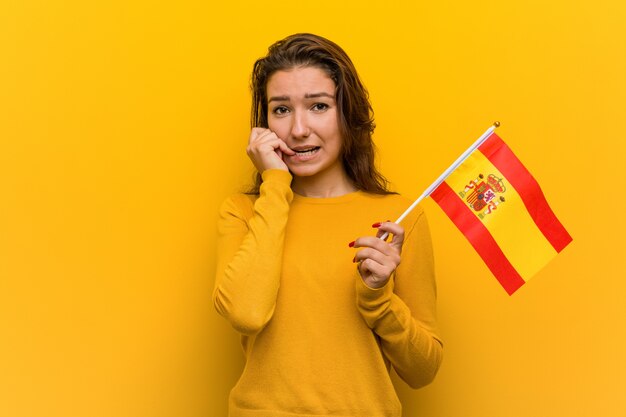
354	260
351	244
376	225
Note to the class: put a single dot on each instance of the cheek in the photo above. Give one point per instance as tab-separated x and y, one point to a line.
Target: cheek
332	130
278	126
334	138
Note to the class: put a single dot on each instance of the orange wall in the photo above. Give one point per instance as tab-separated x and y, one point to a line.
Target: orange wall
122	128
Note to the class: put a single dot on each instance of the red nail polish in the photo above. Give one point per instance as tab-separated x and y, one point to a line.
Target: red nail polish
351	244
376	225
354	259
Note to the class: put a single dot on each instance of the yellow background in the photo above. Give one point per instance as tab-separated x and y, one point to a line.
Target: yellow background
123	126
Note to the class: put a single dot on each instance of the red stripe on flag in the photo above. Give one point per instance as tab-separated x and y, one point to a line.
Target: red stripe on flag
479	236
501	156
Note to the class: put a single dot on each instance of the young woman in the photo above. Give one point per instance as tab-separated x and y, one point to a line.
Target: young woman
325	308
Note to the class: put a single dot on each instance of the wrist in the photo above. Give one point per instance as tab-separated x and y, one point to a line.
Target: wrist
276	174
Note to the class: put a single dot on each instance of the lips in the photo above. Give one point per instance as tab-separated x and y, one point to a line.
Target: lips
305	151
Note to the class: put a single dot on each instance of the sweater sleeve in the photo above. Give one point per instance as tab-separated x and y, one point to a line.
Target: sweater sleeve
249	253
402	313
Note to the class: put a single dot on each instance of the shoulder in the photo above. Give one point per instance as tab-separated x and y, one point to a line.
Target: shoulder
276	187
238	205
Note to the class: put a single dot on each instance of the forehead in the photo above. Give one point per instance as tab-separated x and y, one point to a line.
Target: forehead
300	81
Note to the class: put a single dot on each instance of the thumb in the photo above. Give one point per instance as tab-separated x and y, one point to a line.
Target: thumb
380	234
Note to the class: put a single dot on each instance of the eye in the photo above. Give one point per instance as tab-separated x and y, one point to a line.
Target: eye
320	107
280	110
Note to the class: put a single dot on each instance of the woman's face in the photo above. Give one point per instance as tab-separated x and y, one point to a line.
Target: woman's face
302	111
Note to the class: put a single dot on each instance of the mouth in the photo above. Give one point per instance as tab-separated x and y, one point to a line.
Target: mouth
306	151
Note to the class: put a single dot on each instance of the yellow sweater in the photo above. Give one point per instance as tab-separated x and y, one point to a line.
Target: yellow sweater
318	341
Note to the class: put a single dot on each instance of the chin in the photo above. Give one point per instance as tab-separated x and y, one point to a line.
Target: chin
301	171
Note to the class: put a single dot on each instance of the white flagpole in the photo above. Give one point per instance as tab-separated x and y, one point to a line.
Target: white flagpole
446	173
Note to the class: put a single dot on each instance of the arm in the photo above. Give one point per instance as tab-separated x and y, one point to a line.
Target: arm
402	312
249	258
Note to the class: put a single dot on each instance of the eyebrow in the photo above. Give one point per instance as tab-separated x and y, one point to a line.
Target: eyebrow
278	98
316	95
308	95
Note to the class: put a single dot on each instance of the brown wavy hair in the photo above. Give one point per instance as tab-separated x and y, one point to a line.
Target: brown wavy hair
356	116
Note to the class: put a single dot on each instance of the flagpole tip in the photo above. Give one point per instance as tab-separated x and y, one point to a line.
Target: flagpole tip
496	124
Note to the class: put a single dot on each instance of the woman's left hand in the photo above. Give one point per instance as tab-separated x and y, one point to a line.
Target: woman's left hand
379	259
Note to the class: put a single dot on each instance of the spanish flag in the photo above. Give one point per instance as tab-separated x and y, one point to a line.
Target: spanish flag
500	208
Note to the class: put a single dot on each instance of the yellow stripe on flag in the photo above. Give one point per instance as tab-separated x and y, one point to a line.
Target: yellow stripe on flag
510	224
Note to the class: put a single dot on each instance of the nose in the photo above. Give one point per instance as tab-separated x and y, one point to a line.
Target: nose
300	127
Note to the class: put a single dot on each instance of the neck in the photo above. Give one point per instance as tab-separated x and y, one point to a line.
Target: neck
323	186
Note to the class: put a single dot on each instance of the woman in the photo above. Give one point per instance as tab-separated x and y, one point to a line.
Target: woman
323	316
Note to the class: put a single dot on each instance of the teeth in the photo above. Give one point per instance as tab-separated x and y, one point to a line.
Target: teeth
307	152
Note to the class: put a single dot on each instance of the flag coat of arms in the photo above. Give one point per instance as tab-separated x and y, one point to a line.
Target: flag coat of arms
500	208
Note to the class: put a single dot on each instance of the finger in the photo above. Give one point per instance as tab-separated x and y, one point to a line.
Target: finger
265	142
372	271
395	230
265	150
375	243
267	137
373	254
285	149
262	137
388	261
380	234
256	133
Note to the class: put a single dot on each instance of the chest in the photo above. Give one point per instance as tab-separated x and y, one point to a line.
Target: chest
317	260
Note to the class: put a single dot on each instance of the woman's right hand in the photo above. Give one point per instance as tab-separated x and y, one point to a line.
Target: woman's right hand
266	149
